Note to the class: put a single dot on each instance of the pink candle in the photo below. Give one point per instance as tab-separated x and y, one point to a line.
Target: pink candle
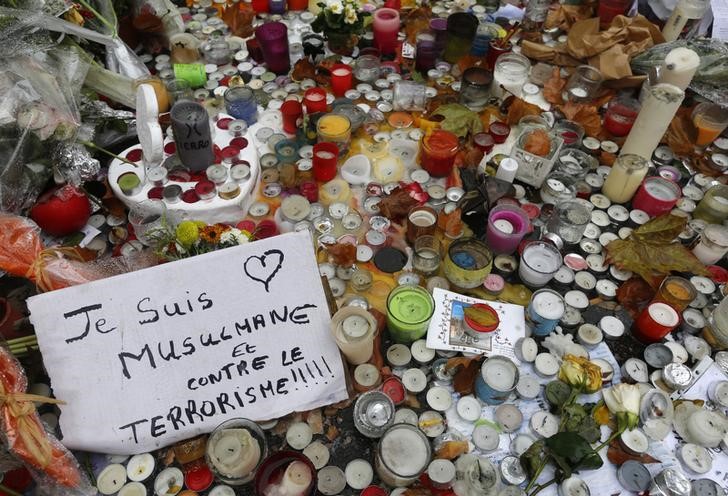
386	29
507	225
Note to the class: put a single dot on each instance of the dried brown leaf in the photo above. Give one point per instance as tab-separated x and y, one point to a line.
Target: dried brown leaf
554	87
660	230
519	109
585	115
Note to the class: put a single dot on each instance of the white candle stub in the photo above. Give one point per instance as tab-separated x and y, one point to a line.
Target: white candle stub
421	353
111	479
441	471
296	480
359	474
414	380
663	314
133	489
366	375
469	408
404	451
318	454
299	435
499	374
504	226
439	398
234	452
355	326
548	305
546	365
140	467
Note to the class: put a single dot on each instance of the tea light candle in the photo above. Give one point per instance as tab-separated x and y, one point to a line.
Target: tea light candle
611	327
469	409
441	473
331	480
359	473
574	486
439	399
509	417
421	353
695	458
140	467
414	380
589	335
657	112
506	227
221	490
366	377
129	183
398	355
528	387
546	365
718	393
402	455
133	489
169	481
497	379
635	441
296	479
539	263
706	428
111	479
318	453
679	67
235	453
485	438
299	435
544	424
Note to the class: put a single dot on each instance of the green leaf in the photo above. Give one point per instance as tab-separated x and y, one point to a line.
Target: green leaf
574	450
576	418
557	393
563	464
459	119
660	230
532	458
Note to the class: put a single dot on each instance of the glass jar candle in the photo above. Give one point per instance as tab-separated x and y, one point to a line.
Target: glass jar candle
241	104
217	52
609	9
475	88
716	333
583	84
160	91
292	114
571	132
467	263
558	187
386	29
507	225
273	39
438	151
234	451
677	292
409	96
342	79
656	196
192	135
426	256
421	221
461	28
497	380
713	208
655	322
625	177
373	414
713	244
426	52
366	68
409	310
569	221
575	163
539	262
510	74
354	329
325	158
314	99
335	128
402	455
621	114
286	472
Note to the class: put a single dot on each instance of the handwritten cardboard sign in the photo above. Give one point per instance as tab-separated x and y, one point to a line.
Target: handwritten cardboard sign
152	357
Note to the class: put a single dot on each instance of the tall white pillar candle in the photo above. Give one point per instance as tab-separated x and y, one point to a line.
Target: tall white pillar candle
679	67
653	120
684	11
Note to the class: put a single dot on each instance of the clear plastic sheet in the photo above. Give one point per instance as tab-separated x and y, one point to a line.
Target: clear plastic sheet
22	254
710	81
53	467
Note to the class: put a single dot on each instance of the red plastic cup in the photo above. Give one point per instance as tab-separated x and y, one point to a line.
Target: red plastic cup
254	49
342	79
374	491
314	99
325	158
655	322
499	131
495	51
266	229
484	142
292	112
656	196
260	6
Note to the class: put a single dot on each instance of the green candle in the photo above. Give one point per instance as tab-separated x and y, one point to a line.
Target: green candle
409	309
129	183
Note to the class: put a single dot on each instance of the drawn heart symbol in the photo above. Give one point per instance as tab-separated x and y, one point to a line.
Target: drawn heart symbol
264	268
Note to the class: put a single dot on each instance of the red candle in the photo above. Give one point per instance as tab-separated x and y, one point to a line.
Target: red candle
438	152
656	196
205	190
309	189
341	79
655	322
325	157
314	100
499	131
484	142
260	6
292	112
386	30
621	115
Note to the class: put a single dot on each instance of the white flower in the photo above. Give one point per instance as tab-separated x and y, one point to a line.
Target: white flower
335	6
464	4
623	400
234	236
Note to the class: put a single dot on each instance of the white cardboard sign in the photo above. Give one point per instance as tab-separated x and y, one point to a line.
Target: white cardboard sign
152	357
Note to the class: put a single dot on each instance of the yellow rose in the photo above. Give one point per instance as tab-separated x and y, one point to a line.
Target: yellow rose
581	374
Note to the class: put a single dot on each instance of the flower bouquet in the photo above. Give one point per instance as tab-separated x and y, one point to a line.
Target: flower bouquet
192	237
341	21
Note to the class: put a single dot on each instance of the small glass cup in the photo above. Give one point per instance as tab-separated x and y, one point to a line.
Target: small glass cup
366	69
583	84
426	52
571	132
576	163
621	114
179	89
409	96
510	74
710	120
147	218
373	414
569	220
539	262
426	258
241	104
235	450
677	292
217	52
507	225
280	467
475	88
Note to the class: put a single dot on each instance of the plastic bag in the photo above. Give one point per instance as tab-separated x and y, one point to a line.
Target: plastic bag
22	254
53	467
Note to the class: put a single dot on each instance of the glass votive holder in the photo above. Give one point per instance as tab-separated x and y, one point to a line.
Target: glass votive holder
571	132
147	218
292	114
467	263
510	73
285	472
575	163
314	99
342	79
354	329
335	128
241	104
361	279
177	90
475	88
325	158
507	225
426	257
409	310
235	450
621	114
438	151
713	207
713	244
402	454
499	131
273	39
373	414
677	292
409	96
569	220
421	221
558	187
461	28
539	262
583	84
216	52
286	151
366	68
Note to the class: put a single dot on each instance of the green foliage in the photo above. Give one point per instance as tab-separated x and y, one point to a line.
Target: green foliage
340	16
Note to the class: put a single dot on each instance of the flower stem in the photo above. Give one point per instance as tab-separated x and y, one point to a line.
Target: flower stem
89	144
543	486
101	18
538	472
609	440
9	491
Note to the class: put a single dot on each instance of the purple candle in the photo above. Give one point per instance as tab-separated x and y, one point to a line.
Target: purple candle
439	28
507	225
426	52
273	39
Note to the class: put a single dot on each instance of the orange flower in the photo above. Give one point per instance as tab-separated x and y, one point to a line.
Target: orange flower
211	234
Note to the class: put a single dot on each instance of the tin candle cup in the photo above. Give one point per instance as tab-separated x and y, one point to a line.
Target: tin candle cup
544	311
402	454
497	380
409	310
507	225
285	472
539	262
373	414
468	263
235	450
655	322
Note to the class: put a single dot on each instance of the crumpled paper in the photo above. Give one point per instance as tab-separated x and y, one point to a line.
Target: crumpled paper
566	15
609	51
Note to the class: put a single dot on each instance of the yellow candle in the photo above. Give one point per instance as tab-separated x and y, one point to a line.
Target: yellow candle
334	127
625	177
